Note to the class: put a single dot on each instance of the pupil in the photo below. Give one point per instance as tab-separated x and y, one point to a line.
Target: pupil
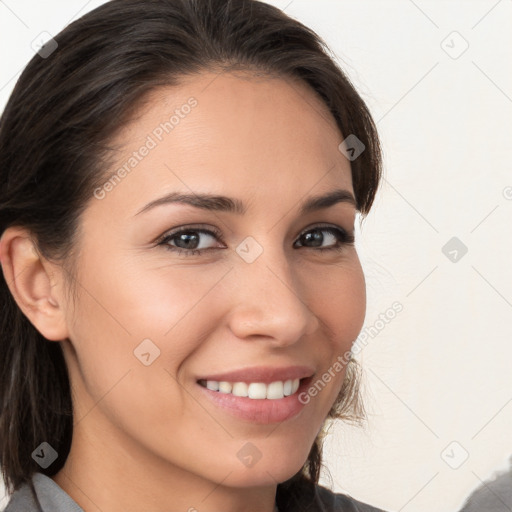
187	238
316	237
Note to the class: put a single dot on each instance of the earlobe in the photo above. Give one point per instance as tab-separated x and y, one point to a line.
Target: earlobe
34	283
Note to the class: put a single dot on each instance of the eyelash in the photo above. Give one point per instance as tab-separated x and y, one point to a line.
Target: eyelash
342	236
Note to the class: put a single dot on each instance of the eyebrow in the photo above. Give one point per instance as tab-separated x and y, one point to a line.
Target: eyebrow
231	205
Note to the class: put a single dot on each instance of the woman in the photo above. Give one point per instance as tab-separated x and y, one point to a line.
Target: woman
179	185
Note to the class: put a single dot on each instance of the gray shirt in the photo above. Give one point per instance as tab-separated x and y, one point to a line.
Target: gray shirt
51	496
54	499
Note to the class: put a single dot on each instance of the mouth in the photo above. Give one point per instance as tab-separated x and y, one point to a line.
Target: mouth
255	390
259	395
258	383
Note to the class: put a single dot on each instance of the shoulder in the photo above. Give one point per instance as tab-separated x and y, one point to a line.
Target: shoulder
493	496
51	497
20	500
331	501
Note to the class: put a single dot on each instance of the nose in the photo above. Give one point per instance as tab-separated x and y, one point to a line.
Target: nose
268	301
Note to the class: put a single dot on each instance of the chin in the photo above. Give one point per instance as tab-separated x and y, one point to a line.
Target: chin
278	469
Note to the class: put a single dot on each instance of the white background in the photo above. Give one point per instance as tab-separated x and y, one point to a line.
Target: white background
439	372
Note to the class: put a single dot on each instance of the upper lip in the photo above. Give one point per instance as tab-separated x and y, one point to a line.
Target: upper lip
264	374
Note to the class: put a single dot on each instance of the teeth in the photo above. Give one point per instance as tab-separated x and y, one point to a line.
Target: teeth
275	390
225	387
213	385
240	389
255	390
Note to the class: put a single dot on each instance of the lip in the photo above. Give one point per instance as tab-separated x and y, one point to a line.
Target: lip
264	411
264	374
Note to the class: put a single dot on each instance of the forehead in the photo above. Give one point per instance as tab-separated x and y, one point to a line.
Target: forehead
230	133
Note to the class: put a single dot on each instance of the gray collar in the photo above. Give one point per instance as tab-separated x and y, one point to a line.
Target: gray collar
51	496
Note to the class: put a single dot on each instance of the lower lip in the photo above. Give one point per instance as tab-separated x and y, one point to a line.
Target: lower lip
263	411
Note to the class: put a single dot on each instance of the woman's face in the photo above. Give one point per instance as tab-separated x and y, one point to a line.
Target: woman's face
251	293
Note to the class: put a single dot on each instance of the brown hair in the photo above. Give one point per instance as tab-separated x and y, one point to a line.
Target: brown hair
54	135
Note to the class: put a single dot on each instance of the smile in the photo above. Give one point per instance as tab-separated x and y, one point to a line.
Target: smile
255	390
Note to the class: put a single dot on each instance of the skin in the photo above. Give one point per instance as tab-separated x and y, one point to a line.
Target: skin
145	438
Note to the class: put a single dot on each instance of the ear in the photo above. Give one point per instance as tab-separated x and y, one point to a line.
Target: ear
35	283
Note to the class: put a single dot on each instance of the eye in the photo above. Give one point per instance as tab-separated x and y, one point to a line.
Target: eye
337	238
190	241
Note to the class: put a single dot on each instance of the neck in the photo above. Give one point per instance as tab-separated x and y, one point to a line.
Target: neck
120	476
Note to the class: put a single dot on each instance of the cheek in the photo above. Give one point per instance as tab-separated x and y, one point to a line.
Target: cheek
340	302
122	306
120	325
134	302
339	295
